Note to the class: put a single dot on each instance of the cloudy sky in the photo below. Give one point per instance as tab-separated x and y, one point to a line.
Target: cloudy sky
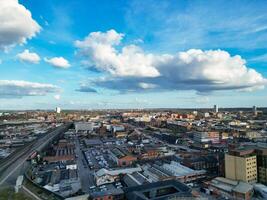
86	54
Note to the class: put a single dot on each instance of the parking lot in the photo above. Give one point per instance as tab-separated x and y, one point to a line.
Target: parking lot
98	158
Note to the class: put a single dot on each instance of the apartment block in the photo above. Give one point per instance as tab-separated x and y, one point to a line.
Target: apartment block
241	165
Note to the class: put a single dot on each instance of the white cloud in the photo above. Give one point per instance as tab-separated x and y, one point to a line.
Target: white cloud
57	97
17	24
147	85
30	57
132	69
99	48
59	62
18	89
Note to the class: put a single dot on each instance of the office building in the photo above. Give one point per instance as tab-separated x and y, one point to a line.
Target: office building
254	110
241	165
216	108
58	110
262	165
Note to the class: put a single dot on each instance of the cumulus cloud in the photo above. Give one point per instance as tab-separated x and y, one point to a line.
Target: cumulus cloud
30	57
132	69
17	24
18	89
100	49
58	62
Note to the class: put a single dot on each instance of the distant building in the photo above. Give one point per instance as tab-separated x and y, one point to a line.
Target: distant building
58	110
254	110
206	137
206	114
241	165
83	126
216	108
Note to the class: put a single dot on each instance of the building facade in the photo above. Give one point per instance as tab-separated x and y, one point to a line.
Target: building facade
241	165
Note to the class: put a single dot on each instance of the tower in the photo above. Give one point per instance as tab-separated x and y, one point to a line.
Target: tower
216	108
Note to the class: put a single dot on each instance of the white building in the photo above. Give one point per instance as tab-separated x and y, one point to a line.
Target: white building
58	110
216	108
104	176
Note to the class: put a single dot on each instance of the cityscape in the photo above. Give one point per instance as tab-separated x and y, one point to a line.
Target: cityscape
133	100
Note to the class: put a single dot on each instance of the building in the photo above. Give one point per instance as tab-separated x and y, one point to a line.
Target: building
209	163
58	110
122	159
230	189
135	179
207	137
83	126
111	194
64	151
262	165
241	165
170	189
183	173
216	108
260	191
254	110
104	176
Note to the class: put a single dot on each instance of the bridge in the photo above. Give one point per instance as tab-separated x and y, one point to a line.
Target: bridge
15	163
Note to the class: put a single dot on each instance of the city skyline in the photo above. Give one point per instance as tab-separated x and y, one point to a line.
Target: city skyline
132	54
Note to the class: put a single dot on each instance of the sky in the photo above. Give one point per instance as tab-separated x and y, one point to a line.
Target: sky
102	54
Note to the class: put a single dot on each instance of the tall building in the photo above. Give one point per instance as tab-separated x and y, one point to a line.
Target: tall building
254	110
262	165
216	108
58	110
241	165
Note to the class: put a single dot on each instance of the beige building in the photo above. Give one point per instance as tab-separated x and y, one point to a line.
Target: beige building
241	165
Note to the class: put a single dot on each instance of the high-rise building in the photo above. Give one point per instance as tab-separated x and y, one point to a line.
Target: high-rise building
58	110
216	108
254	110
262	165
241	165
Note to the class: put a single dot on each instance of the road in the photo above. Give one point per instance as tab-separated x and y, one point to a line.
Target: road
86	175
17	165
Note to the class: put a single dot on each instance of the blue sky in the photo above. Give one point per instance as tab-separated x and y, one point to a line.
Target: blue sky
84	54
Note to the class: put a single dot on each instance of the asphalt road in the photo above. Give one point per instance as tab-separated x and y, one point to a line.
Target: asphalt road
86	175
17	166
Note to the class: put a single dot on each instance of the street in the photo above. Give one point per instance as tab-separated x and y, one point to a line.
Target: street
86	175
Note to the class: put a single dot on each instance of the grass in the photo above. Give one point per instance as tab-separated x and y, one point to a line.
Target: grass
9	194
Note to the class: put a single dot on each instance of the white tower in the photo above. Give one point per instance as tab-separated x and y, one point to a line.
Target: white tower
58	110
216	108
254	110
